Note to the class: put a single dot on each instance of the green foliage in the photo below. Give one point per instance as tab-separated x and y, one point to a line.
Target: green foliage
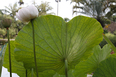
106	21
12	33
2	31
19	24
105	31
115	32
114	18
107	68
56	40
6	16
111	37
43	8
92	63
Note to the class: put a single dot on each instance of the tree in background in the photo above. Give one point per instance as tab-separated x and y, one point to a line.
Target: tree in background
43	8
113	18
98	9
12	9
112	5
1	16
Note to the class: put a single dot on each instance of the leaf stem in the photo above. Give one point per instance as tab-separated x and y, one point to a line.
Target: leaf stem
34	48
66	68
9	52
26	72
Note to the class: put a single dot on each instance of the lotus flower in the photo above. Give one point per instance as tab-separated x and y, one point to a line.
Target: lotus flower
27	13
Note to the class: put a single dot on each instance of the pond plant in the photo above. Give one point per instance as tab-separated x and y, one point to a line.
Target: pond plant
50	47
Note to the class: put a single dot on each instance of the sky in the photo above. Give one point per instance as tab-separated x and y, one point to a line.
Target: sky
65	7
65	11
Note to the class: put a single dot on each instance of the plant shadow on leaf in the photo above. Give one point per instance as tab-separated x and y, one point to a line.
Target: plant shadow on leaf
57	41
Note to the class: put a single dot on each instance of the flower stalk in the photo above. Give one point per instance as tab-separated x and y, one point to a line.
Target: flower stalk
34	48
9	52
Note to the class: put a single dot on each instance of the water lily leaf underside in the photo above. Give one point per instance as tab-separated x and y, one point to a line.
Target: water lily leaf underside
56	40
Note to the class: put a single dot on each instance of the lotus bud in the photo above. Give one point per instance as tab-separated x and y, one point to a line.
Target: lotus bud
27	13
6	22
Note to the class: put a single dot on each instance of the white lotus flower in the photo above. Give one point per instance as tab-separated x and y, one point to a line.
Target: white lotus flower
27	13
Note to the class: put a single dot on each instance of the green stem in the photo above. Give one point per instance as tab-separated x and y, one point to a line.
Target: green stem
9	52
34	48
66	68
26	72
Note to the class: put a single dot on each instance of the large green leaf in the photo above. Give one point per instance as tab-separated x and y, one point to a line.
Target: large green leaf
92	63
56	40
2	52
107	68
18	67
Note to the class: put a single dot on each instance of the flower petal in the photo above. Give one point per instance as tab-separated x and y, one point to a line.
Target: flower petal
33	12
24	14
17	15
